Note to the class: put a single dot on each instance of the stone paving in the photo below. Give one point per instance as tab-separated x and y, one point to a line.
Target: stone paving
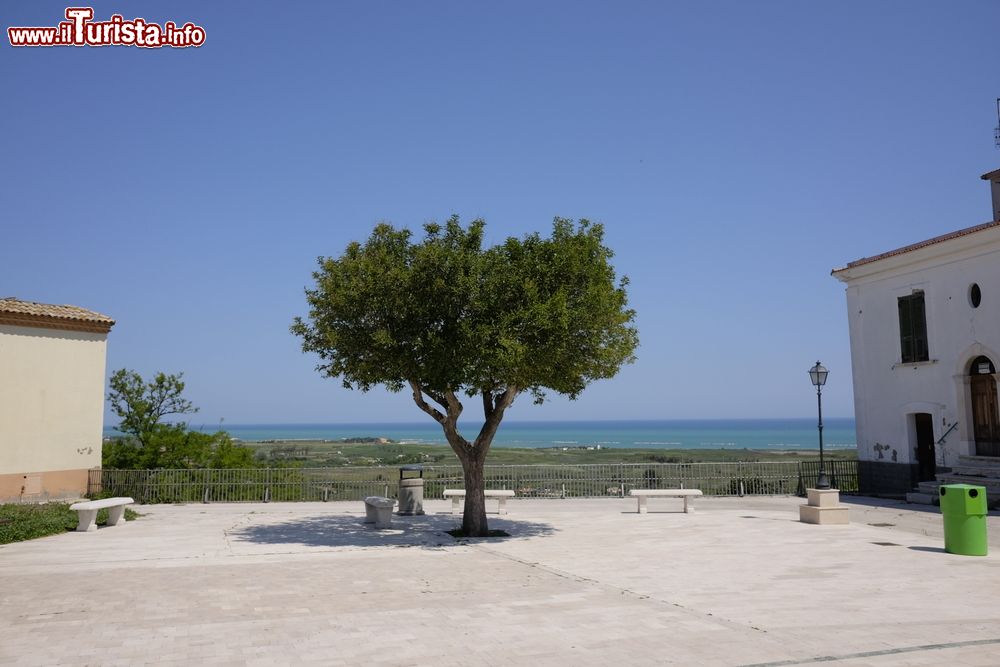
580	582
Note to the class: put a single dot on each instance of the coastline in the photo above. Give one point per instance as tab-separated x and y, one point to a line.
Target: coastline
763	434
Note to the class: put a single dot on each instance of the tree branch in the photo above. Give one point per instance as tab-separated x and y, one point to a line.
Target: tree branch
418	398
507	398
436	397
493	419
454	405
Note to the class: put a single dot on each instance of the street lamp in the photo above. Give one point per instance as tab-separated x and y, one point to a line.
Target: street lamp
818	376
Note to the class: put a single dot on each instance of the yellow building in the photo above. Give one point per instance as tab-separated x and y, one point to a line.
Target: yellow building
52	367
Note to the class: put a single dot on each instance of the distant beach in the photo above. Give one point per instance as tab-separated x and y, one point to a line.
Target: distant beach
758	434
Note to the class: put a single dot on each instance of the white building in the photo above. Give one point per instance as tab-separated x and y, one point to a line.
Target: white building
925	345
52	364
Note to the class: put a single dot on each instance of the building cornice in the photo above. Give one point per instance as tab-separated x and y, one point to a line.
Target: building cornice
970	242
58	323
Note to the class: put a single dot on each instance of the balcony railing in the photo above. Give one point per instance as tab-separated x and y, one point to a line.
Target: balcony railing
531	481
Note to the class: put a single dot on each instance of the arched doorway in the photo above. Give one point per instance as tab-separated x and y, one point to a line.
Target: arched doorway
985	415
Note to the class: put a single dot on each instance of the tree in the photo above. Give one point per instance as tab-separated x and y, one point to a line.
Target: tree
445	317
175	446
142	405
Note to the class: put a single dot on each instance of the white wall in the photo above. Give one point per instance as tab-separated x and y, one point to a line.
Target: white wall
51	399
887	391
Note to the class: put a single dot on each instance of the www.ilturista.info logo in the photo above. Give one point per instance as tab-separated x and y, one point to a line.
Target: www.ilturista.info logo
81	30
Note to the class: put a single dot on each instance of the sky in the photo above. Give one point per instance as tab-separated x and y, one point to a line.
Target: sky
735	152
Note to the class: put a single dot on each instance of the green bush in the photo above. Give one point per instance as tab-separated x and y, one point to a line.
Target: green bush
174	446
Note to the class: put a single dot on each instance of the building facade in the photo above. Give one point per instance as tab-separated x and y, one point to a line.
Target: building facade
52	370
925	344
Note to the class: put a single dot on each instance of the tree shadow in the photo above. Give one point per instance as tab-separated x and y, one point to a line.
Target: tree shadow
349	530
889	503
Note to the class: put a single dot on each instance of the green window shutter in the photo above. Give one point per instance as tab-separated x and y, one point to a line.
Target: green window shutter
919	323
905	330
912	328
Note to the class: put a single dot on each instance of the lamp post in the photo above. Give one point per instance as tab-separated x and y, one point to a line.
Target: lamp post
818	376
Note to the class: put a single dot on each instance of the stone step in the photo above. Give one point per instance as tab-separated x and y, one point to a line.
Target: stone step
992	484
930	488
919	498
976	471
979	461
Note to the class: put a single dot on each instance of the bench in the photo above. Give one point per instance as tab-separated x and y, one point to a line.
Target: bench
87	512
378	510
644	494
457	495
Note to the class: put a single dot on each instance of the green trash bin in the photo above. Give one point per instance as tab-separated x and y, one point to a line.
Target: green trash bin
963	507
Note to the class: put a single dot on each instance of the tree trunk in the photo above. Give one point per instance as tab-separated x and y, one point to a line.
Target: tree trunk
471	454
474	518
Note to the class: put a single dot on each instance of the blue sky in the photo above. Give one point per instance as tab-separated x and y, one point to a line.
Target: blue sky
735	152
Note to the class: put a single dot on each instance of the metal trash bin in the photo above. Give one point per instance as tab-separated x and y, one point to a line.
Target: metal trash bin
411	491
963	507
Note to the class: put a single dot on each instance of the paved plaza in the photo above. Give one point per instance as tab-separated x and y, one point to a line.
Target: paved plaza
580	582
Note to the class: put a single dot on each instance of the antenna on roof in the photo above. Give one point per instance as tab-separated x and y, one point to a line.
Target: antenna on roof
996	132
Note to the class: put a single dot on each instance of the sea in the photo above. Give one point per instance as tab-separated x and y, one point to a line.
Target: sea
761	434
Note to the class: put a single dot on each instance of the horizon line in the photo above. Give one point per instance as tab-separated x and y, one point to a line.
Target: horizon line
222	423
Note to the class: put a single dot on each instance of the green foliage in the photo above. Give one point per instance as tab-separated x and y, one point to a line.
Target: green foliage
758	486
142	405
533	314
152	444
227	454
325	454
232	485
174	446
552	315
444	316
26	522
121	454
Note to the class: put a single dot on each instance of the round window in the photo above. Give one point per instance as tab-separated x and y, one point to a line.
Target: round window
975	295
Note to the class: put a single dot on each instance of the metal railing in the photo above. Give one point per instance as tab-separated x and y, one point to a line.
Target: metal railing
532	481
843	475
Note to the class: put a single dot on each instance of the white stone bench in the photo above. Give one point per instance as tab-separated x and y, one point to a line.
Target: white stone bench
378	510
644	494
457	495
87	512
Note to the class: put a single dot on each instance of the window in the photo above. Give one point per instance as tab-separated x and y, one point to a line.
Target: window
975	295
912	328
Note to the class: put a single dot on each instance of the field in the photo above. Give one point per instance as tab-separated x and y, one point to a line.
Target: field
347	471
331	470
324	453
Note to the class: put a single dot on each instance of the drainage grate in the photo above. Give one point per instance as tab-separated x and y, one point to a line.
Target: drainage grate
882	525
749	516
886	544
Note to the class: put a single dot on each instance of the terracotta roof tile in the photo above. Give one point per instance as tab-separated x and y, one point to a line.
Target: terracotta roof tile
13	309
919	245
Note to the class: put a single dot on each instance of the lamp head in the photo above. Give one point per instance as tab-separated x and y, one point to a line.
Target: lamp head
818	375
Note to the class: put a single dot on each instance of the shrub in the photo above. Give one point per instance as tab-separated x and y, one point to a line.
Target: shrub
26	522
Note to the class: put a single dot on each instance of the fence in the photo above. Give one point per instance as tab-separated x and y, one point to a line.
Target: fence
843	475
533	481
